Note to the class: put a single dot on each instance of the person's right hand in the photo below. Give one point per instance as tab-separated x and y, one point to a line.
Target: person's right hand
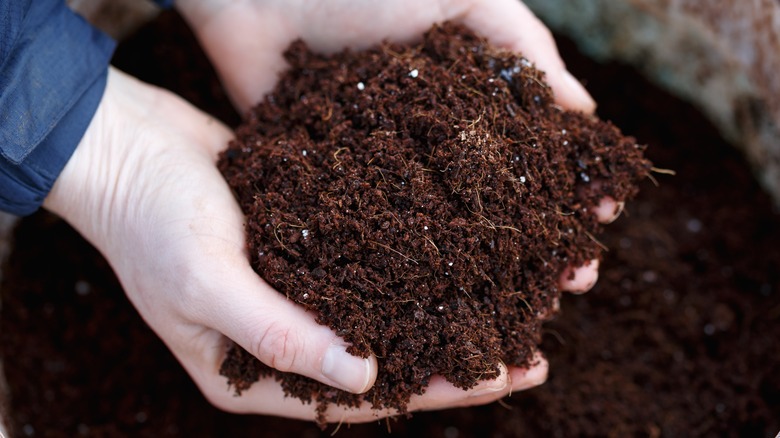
246	40
144	189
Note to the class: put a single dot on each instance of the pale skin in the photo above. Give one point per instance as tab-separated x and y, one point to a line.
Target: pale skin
143	187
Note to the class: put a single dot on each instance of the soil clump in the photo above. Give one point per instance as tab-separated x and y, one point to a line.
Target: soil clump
423	202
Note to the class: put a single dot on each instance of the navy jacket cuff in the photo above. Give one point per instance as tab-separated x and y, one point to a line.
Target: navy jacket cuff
53	78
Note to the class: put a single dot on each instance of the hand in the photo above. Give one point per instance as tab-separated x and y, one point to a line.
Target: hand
143	187
246	40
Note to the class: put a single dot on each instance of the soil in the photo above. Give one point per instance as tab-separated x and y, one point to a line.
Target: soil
678	338
423	202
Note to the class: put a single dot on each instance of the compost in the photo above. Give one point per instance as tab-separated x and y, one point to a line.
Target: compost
423	201
678	338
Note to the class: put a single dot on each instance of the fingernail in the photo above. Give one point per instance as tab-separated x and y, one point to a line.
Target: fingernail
493	386
592	283
618	210
534	377
579	93
588	286
348	372
585	278
595	278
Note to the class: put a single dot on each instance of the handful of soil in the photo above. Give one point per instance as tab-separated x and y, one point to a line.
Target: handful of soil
422	201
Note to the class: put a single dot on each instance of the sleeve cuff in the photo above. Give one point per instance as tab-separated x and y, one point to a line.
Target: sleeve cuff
25	186
53	81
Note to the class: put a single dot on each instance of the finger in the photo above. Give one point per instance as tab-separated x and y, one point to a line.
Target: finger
441	394
527	378
267	397
580	279
519	379
200	128
248	65
548	313
283	335
608	210
510	24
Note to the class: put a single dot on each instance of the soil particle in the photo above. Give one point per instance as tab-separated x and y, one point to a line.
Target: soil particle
422	201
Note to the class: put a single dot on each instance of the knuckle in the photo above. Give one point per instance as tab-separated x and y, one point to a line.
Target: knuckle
277	346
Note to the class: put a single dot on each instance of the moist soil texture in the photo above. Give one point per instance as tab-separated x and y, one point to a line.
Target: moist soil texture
422	201
678	338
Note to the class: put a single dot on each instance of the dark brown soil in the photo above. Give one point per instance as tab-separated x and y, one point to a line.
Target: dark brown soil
679	337
422	201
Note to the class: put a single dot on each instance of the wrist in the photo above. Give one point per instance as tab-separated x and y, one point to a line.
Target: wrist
87	192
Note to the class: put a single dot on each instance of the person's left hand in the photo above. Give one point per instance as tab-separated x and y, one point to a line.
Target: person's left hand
246	39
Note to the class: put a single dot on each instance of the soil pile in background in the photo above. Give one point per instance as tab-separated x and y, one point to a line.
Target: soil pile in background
423	202
636	356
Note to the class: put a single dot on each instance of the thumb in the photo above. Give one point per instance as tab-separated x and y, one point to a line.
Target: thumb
510	24
284	336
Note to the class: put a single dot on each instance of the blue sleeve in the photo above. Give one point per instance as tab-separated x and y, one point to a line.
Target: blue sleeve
53	68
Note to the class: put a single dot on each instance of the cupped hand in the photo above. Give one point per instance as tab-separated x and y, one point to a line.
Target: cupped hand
143	187
246	39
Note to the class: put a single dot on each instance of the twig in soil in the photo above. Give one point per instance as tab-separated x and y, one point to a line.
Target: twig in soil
556	335
276	235
453	65
432	244
392	53
329	115
663	171
473	90
474	122
409	259
338	426
596	241
336	156
507	227
531	309
653	180
543	85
